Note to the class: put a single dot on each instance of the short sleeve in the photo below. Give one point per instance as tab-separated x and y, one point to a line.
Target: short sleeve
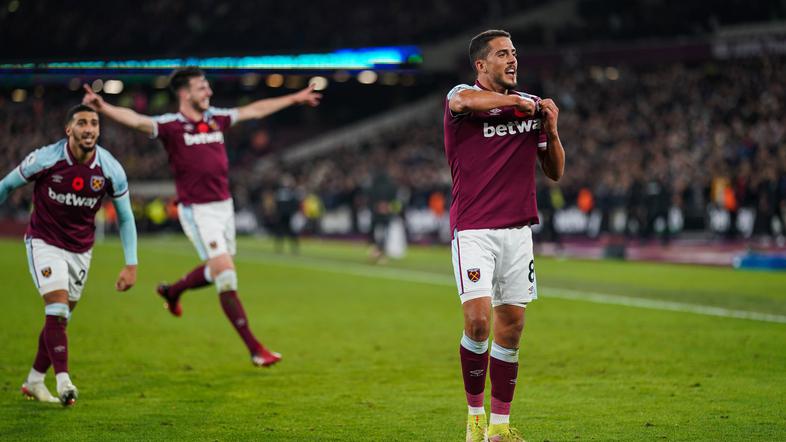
225	118
457	89
163	126
452	93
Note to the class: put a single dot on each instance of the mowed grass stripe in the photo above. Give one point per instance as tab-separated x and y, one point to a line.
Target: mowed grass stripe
423	277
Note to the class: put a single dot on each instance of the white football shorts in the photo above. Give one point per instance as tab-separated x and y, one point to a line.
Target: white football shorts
210	227
495	262
53	268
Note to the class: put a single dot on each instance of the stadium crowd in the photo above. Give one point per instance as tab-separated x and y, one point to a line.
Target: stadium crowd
641	140
208	27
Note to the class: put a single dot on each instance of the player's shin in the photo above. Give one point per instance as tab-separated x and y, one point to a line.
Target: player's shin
474	363
42	362
504	369
196	278
56	339
226	284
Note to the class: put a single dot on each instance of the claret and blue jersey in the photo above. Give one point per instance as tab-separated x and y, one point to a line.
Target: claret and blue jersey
492	157
67	195
197	154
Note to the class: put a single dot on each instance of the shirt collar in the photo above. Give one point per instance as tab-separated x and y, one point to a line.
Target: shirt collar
72	160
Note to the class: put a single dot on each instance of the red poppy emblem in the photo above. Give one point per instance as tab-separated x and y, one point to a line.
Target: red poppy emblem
202	127
78	183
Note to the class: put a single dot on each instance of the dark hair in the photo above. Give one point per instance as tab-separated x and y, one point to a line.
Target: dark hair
75	110
479	45
181	77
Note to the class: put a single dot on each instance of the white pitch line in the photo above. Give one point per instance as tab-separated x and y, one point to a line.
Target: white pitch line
418	276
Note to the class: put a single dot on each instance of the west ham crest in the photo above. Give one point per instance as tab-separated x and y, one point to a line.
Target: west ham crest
96	183
46	272
473	274
213	245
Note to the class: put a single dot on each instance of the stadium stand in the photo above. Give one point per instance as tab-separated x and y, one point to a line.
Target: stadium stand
656	149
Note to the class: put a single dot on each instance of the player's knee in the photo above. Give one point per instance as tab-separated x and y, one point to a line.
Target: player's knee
478	327
58	309
219	264
509	335
226	281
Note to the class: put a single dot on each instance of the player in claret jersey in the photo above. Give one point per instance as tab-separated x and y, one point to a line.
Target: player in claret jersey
494	136
194	139
71	178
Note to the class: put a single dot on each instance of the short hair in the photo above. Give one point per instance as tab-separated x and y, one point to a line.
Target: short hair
75	110
181	77
479	45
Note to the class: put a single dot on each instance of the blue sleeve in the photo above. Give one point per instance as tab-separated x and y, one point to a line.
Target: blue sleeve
12	181
125	220
115	173
41	159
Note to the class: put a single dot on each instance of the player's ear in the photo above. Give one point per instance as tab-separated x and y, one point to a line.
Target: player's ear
480	66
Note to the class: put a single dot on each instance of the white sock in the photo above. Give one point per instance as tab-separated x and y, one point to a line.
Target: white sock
62	379
35	376
476	410
496	419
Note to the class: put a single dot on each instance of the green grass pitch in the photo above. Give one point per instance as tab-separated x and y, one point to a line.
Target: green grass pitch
371	352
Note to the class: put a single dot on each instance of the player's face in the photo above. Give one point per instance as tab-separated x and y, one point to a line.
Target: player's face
501	64
199	93
83	130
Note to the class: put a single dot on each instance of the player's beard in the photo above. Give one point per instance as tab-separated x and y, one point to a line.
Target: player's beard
200	105
87	146
501	79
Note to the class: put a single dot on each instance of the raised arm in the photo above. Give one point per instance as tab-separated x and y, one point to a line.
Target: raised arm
473	100
122	115
552	159
267	106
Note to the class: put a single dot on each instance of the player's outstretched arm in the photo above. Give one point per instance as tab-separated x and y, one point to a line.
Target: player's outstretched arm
552	159
267	106
125	218
472	100
122	115
11	182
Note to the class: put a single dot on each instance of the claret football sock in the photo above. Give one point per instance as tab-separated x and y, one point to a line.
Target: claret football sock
474	363
503	372
194	279
233	309
42	361
57	342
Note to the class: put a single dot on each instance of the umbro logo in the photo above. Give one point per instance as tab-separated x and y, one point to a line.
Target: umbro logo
477	373
60	349
57	179
495	111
